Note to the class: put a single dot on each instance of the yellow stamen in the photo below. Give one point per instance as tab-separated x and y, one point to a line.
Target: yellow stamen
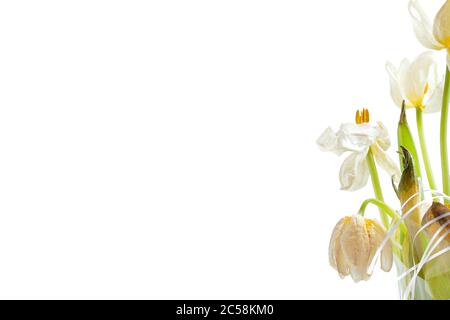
358	118
362	116
425	90
366	116
369	223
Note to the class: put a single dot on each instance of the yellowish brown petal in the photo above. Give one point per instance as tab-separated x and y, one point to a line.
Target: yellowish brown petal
386	252
334	242
356	248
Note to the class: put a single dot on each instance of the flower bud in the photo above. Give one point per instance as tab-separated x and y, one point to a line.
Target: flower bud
353	245
408	191
438	218
437	223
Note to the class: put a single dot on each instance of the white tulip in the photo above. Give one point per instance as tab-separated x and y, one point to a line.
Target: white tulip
416	83
434	36
353	245
357	139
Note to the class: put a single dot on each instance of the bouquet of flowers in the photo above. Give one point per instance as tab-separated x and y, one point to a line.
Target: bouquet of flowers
415	237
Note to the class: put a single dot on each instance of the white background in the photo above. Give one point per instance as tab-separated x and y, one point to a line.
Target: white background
166	149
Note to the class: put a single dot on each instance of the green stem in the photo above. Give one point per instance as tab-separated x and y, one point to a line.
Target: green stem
406	140
381	205
443	140
376	186
385	208
423	147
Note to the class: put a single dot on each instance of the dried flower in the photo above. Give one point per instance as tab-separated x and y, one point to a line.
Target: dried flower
357	139
353	245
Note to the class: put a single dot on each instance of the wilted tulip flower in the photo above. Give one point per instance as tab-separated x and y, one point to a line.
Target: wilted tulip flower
357	139
353	245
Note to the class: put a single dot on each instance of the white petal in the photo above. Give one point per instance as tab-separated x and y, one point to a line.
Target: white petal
383	136
328	141
386	163
396	93
386	252
357	137
354	172
350	137
403	80
434	103
421	74
386	257
422	26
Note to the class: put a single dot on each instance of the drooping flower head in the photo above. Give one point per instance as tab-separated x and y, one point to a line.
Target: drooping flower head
353	245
